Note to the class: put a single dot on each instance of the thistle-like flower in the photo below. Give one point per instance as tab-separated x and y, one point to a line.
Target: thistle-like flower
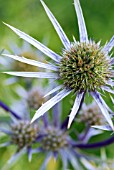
83	67
56	142
91	115
35	98
24	50
22	66
22	134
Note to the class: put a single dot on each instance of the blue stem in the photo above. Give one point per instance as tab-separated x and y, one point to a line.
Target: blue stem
7	109
95	145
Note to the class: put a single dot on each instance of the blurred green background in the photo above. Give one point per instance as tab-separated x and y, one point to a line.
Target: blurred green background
30	17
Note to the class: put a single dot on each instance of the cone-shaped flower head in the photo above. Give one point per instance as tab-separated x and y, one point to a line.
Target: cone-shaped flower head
91	114
23	134
35	98
22	66
54	139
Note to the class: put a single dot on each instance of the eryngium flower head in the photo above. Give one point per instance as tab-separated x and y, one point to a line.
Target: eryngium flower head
91	114
35	98
22	66
22	134
55	141
25	50
83	66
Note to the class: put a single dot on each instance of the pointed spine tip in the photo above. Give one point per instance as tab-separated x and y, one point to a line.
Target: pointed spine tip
42	1
69	124
32	121
6	24
113	128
